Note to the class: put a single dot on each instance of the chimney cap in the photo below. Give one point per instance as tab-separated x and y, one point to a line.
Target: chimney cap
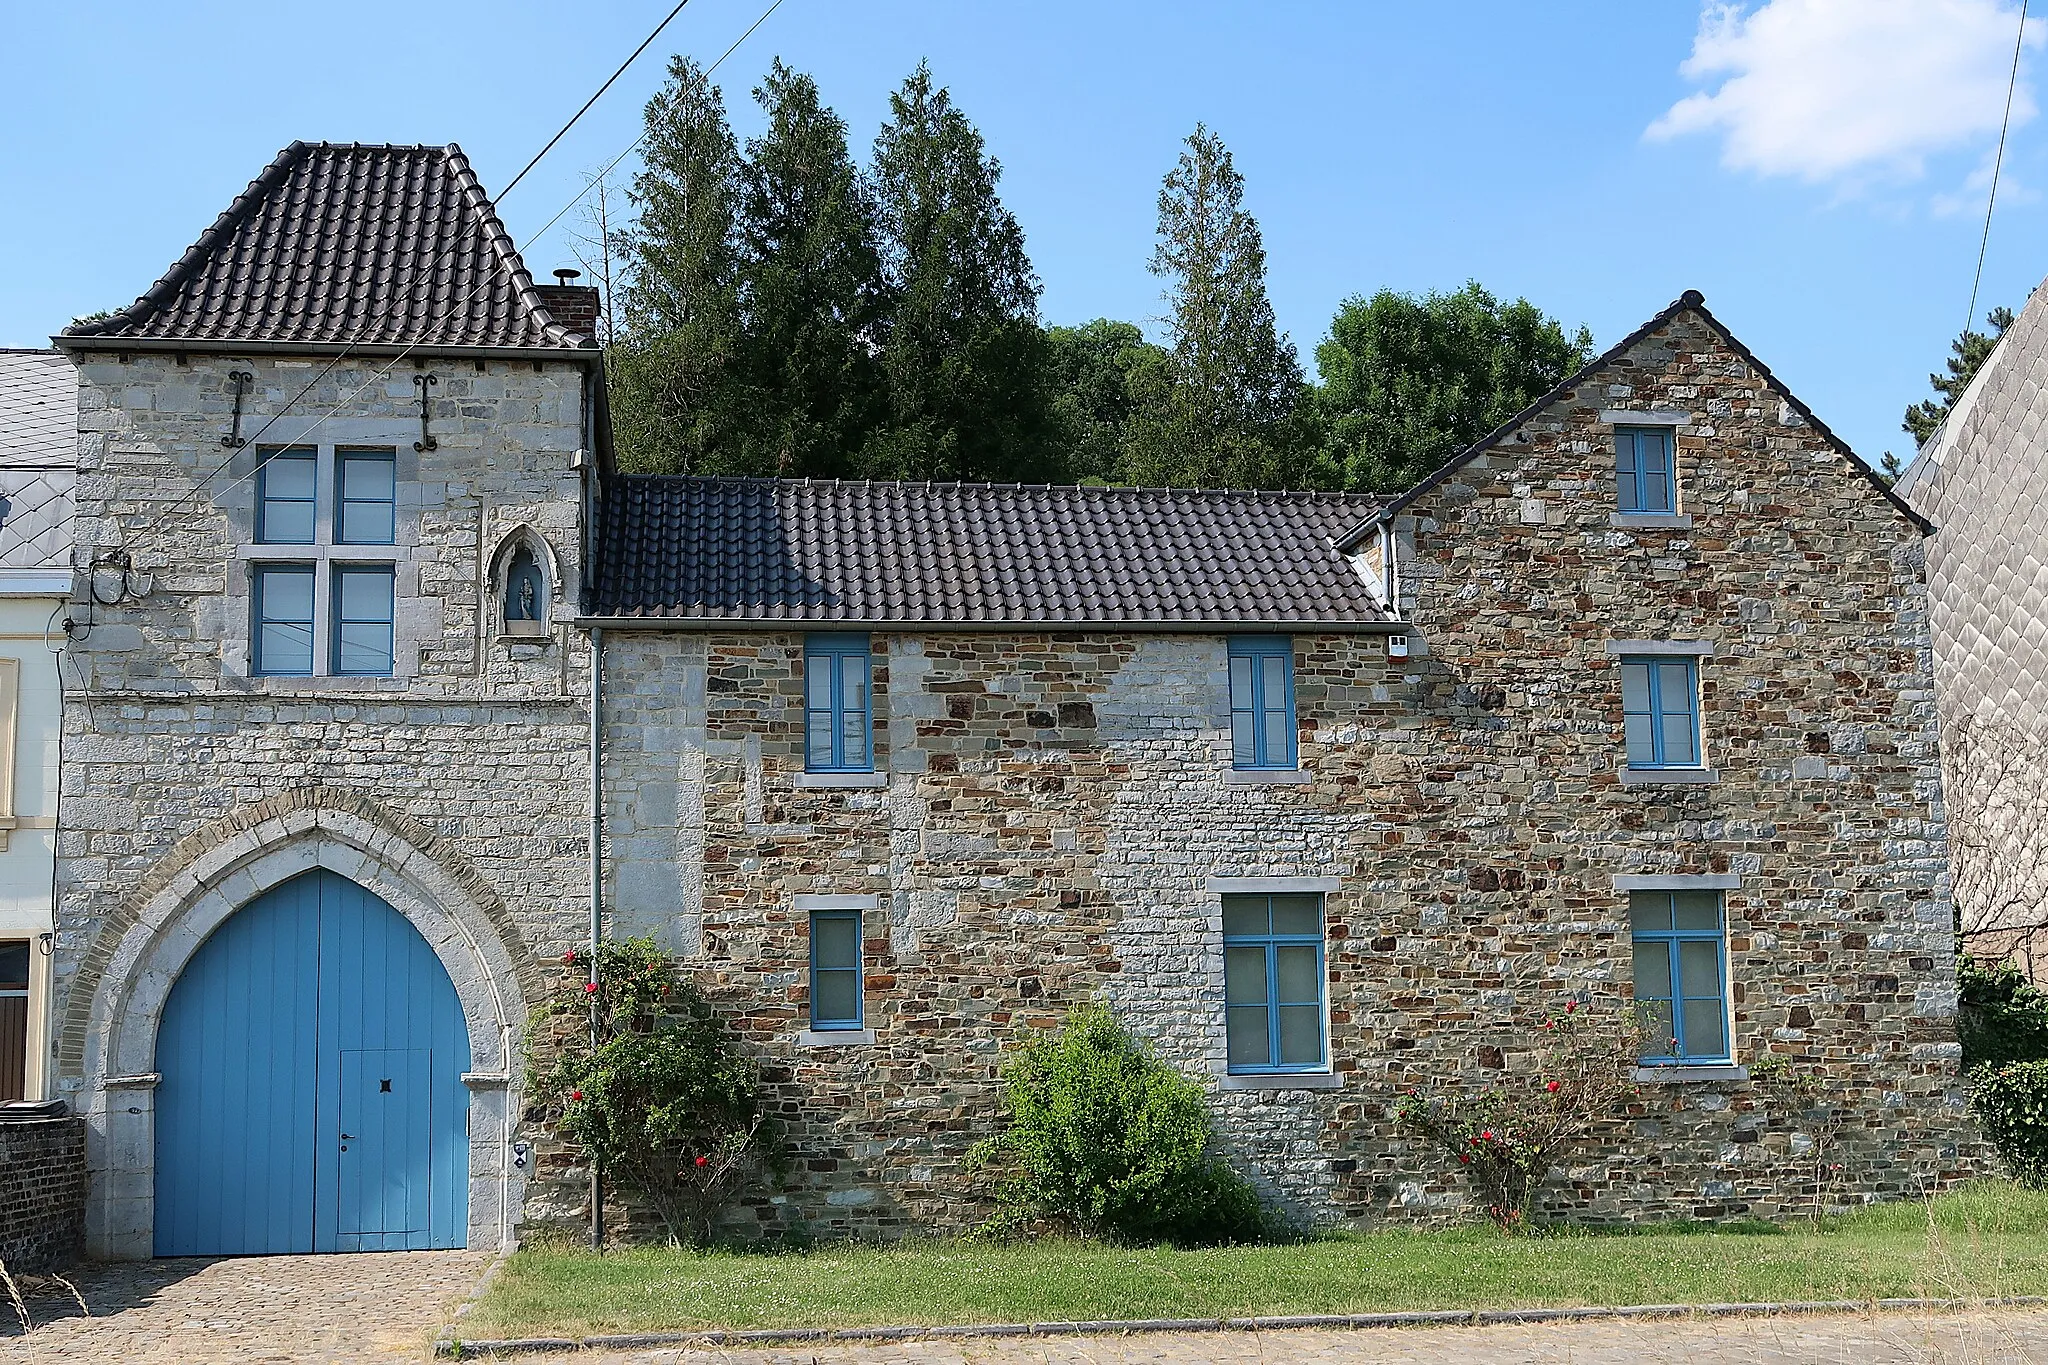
567	276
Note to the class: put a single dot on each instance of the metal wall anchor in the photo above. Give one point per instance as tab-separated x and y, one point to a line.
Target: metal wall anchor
241	379
423	382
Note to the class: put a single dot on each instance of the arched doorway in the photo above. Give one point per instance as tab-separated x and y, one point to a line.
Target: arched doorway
312	1054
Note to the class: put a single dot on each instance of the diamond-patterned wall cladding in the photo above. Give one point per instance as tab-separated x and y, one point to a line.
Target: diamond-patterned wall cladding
38	452
1983	480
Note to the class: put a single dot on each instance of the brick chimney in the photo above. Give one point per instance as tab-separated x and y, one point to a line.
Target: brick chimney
574	305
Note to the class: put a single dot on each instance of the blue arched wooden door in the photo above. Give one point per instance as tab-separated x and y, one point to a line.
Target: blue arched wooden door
312	1054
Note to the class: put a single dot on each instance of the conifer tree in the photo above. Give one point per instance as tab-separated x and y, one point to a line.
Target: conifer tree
810	289
1967	354
1226	410
965	361
677	393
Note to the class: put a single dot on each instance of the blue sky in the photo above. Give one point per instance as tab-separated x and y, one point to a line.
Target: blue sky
1816	167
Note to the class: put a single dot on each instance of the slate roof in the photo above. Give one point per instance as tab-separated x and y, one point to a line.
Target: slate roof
38	457
678	551
347	244
1690	301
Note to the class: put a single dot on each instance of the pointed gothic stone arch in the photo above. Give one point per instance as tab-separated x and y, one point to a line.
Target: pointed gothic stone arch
118	999
524	582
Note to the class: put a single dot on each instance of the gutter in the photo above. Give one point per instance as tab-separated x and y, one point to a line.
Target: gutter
744	624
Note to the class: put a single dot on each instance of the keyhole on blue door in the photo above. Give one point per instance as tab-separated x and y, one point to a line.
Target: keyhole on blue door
385	1086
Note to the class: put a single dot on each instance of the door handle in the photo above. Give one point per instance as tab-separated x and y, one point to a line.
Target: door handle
348	1137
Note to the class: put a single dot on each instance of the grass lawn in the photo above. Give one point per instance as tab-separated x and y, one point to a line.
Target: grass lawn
1988	1240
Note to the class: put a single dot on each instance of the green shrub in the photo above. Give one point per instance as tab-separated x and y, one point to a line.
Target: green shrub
1107	1140
2001	1017
2012	1104
662	1100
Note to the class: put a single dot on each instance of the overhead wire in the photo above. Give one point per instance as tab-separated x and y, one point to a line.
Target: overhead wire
205	481
1997	164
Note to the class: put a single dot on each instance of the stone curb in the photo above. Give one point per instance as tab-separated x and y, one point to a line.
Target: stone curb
1462	1317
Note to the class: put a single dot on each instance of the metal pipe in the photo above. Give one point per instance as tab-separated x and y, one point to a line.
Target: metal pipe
596	890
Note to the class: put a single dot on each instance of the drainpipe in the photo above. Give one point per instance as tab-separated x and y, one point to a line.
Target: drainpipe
596	888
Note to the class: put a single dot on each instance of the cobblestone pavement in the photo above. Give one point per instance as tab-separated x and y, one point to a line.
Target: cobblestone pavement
1988	1338
375	1306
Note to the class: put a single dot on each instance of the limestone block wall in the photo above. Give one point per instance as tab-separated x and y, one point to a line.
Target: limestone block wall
474	760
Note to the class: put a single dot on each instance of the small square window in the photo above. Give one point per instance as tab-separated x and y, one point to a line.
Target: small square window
1273	982
366	499
1681	979
283	614
362	639
1262	728
1660	711
1642	469
835	969
285	497
838	727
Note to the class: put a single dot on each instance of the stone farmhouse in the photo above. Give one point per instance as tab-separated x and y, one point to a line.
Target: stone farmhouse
1326	795
1981	480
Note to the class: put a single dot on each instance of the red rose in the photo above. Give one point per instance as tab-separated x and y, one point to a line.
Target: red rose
569	956
1486	1136
589	987
1551	1087
1465	1158
1570	1005
575	1094
703	1161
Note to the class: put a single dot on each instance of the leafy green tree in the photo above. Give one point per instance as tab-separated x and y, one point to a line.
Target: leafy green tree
963	356
811	296
1967	354
677	390
1092	367
1408	382
1225	408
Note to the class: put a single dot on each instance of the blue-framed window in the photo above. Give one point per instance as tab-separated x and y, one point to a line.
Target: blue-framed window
1262	702
281	605
1681	976
366	497
838	731
835	969
361	642
287	486
1273	982
1642	469
1660	710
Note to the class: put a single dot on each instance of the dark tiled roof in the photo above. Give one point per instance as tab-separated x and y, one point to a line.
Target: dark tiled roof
38	452
1695	302
677	550
340	243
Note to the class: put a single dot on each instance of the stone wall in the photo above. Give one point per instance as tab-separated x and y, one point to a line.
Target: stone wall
1057	810
471	768
42	1194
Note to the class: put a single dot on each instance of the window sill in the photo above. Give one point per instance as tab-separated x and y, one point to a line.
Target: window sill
1668	777
1282	1080
836	1037
1650	521
524	630
1678	1074
833	781
1267	777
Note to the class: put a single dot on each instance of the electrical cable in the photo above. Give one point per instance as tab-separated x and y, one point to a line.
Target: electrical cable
592	100
346	399
1997	164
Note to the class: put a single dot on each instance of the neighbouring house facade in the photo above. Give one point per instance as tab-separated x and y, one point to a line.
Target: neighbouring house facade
38	449
1328	796
1981	480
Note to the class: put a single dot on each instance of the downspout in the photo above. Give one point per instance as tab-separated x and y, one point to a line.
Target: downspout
1389	571
596	889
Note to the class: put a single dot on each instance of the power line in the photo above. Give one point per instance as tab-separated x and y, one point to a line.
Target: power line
592	100
1997	164
326	369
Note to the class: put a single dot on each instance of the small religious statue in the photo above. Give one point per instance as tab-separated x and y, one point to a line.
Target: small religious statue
523	585
526	598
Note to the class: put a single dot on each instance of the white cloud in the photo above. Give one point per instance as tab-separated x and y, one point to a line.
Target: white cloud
1851	90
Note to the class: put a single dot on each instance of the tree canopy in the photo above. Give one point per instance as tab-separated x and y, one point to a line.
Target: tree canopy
1967	354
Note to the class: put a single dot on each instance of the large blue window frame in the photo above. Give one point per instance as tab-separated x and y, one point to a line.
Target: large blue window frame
287	496
836	970
1642	469
1660	710
365	497
1273	983
1262	727
1681	976
281	611
838	711
363	602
